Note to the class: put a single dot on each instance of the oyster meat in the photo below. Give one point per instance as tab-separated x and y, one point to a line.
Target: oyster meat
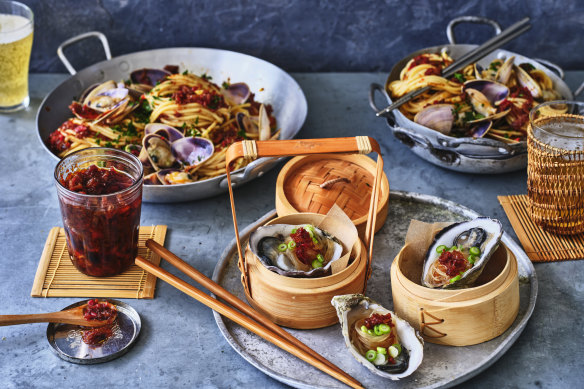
385	344
295	250
460	252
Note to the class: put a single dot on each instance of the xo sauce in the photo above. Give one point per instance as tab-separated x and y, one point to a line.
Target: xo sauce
102	311
102	232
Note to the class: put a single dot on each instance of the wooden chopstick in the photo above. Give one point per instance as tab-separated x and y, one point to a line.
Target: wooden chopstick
245	321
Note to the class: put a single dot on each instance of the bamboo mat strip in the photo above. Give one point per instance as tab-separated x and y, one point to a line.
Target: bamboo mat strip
57	277
540	245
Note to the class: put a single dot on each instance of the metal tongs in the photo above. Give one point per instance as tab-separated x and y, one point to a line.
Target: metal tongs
472	56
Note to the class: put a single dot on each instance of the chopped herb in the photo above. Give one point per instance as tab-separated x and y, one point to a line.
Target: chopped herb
215	100
459	77
196	120
142	114
225	85
117	128
185	72
527	67
131	130
206	77
109	144
456	109
494	66
98	141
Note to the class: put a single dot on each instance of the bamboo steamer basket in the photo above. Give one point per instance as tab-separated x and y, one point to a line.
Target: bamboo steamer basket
314	183
305	303
461	317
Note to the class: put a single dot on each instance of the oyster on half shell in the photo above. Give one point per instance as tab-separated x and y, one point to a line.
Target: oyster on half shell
352	310
467	247
295	250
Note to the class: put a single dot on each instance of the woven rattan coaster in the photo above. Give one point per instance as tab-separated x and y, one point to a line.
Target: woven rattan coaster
57	277
540	245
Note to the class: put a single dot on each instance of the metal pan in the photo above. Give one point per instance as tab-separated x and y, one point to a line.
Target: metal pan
269	83
484	156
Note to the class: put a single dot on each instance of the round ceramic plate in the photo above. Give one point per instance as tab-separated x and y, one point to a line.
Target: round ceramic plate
65	339
443	366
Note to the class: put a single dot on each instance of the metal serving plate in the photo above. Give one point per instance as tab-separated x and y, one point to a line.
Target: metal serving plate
443	366
269	83
66	343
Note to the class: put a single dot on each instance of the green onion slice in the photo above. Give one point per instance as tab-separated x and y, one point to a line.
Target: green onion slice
370	355
316	264
398	347
291	244
381	350
282	247
377	330
393	351
294	230
384	328
472	259
441	248
475	251
454	279
319	258
364	329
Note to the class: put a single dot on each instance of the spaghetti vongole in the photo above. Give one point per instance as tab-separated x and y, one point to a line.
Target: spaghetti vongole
493	102
179	125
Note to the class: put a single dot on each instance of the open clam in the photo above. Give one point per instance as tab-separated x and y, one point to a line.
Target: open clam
255	125
438	117
295	250
526	81
460	252
391	348
237	93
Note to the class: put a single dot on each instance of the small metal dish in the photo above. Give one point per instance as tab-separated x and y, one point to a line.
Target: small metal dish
66	343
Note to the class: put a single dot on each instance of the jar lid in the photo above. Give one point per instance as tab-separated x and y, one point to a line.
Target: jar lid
315	183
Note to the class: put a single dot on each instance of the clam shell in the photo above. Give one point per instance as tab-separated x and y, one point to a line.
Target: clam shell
353	307
526	81
438	117
453	235
285	266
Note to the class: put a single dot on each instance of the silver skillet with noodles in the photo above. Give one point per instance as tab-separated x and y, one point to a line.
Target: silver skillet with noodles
463	154
270	84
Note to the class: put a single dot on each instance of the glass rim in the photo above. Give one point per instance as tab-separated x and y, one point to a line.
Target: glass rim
123	191
30	15
554	102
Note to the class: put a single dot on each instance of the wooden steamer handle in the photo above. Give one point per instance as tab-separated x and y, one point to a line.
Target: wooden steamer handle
252	150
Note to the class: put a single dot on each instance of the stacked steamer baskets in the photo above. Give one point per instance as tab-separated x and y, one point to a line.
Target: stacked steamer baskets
456	317
360	188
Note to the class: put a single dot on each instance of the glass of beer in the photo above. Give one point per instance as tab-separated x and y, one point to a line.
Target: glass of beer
555	171
16	26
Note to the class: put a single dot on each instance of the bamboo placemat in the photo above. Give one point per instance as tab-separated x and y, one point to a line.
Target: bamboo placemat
57	277
540	245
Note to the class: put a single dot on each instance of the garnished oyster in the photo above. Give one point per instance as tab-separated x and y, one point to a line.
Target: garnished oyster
377	338
295	250
460	252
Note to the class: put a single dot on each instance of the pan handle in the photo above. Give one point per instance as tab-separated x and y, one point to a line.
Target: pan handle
469	19
375	87
80	37
254	169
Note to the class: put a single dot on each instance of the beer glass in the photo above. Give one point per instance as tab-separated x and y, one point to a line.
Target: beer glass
16	27
555	171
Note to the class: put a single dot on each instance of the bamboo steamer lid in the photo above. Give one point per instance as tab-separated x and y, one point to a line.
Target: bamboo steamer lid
460	317
314	183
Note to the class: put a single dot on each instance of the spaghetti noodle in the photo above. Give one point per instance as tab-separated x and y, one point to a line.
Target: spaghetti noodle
116	116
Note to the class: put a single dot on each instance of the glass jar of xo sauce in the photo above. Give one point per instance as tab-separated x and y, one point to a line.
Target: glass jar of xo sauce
377	335
102	236
102	311
454	261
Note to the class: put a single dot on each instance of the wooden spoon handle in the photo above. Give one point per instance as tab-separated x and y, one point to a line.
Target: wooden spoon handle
53	317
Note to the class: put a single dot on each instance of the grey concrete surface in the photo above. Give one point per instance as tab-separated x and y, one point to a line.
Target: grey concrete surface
300	35
180	345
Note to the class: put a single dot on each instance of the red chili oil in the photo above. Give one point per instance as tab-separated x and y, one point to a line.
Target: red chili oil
102	230
305	250
376	319
96	336
454	262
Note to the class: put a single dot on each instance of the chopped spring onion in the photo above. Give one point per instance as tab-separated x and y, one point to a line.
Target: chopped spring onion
294	230
475	251
393	351
472	259
380	359
319	258
384	328
370	355
282	247
314	240
370	332
398	347
316	264
441	248
454	279
377	330
364	329
291	244
381	350
100	163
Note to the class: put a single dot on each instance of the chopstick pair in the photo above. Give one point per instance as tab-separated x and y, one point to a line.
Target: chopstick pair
256	322
472	56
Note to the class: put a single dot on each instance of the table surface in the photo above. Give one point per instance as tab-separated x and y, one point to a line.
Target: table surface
180	345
